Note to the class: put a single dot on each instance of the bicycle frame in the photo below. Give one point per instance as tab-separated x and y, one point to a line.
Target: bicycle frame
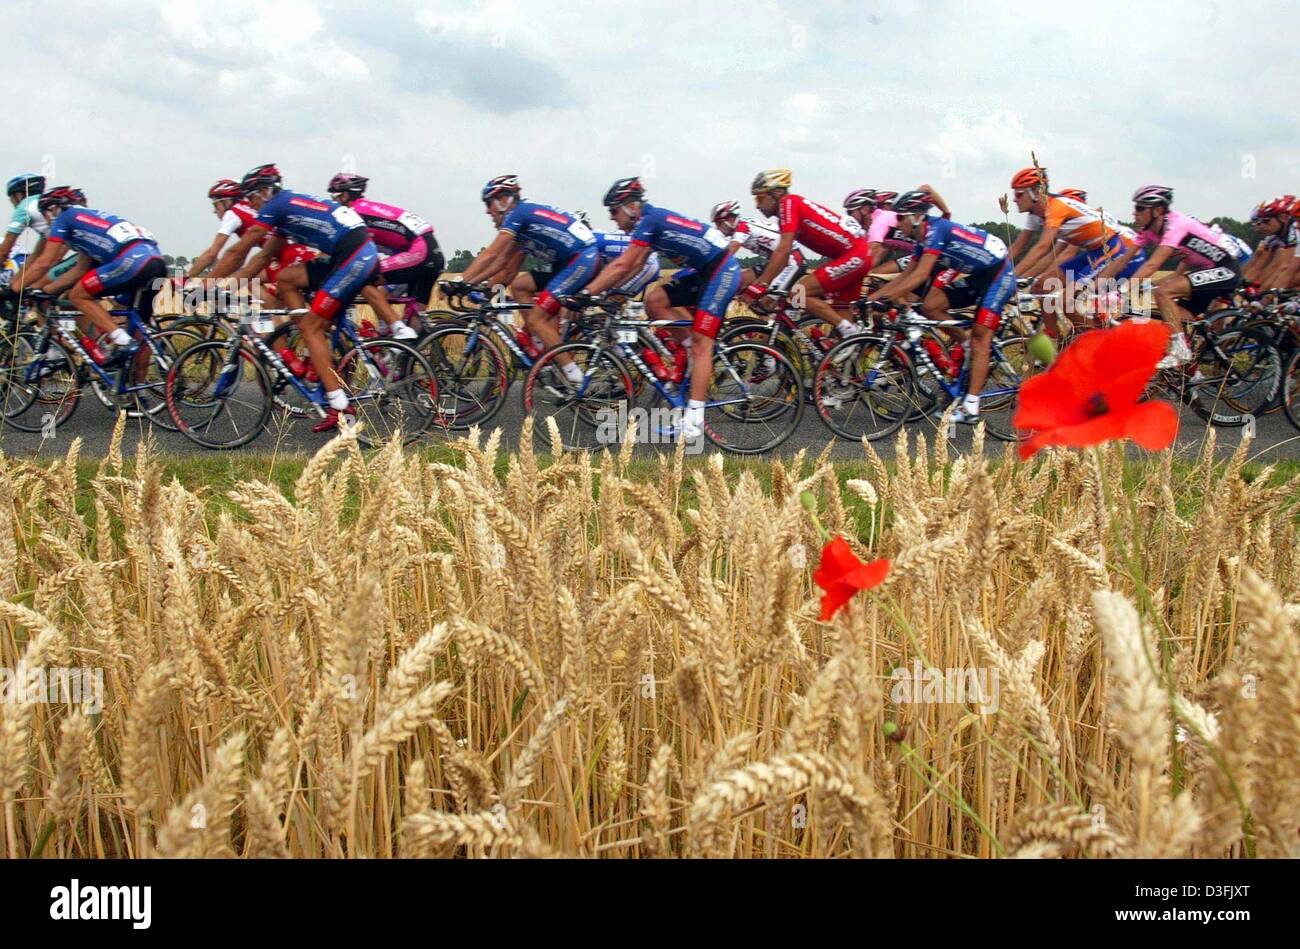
116	381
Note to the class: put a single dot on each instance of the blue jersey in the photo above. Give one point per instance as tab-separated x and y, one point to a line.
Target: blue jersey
307	219
683	240
546	232
99	236
962	247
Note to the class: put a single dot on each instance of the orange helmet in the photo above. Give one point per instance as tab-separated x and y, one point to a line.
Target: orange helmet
1077	193
1027	178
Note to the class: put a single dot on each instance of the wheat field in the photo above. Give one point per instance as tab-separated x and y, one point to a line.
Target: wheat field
573	655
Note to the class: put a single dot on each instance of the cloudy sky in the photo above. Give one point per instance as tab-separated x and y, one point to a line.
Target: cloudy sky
145	104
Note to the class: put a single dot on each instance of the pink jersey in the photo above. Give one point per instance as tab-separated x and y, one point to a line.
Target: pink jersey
818	228
391	228
884	230
1191	240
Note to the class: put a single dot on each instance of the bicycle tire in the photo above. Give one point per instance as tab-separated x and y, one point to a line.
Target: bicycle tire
471	388
587	419
864	388
254	402
773	397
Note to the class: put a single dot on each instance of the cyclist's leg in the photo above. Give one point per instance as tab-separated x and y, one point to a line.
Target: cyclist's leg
987	320
947	291
710	310
338	286
116	276
839	280
1168	292
543	319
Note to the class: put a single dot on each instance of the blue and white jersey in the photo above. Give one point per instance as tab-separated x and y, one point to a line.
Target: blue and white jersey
612	244
963	248
546	232
683	240
98	235
307	219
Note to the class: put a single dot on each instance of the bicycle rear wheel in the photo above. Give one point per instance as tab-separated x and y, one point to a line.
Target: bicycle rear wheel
152	402
391	387
39	388
865	388
473	375
218	399
589	415
1009	366
1234	376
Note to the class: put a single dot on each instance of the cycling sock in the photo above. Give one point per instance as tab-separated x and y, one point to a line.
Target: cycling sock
971	405
695	413
120	337
573	373
337	399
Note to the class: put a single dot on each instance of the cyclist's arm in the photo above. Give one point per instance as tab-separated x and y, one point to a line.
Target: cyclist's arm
1286	274
915	275
1118	264
508	270
1019	244
1156	261
491	259
7	245
34	272
939	202
270	249
232	258
1040	256
70	276
776	263
620	268
205	259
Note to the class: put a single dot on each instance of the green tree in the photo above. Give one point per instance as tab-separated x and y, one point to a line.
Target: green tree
460	261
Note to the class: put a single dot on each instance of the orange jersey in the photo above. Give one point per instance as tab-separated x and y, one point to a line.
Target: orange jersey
1076	223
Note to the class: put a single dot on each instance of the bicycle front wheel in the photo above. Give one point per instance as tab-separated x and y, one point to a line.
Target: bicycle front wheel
473	375
755	399
865	388
590	414
1010	364
392	388
216	398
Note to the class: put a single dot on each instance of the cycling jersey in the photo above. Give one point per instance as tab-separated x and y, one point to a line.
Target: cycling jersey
611	244
1289	238
1239	248
884	229
819	229
1191	240
391	228
27	215
306	219
239	217
760	239
683	240
1076	222
99	236
546	232
962	247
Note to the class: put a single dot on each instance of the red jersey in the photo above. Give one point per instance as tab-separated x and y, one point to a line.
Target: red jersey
820	229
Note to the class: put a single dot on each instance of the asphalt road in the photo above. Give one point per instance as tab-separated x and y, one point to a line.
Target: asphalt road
1275	438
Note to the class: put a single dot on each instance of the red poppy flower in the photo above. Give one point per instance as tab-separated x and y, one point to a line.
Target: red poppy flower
1090	394
841	574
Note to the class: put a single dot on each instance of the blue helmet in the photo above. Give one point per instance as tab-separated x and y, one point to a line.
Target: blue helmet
26	185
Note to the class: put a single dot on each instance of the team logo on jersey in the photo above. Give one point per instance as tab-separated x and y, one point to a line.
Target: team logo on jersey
1207	250
848	267
309	204
90	219
552	216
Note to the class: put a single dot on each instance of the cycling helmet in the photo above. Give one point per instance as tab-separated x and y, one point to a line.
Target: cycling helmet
884	198
225	188
1153	196
60	197
260	177
771	180
1029	178
1278	207
1257	212
622	191
347	184
26	185
501	184
725	209
1077	193
861	198
914	202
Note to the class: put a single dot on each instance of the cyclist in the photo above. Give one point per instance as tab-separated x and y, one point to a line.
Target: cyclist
351	262
24	192
1207	267
1262	261
822	231
236	217
114	258
712	283
1277	222
527	227
943	249
757	238
410	261
1094	239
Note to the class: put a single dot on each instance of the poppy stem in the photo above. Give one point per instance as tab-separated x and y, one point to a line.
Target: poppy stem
809	502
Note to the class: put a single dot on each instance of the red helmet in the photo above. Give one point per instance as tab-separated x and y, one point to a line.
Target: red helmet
1281	206
1027	178
260	177
225	188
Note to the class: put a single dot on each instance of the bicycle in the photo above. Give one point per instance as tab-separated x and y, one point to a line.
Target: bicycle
46	367
234	383
868	385
753	388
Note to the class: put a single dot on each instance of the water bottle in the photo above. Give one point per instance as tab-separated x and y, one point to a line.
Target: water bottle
938	355
92	349
662	373
296	365
367	331
527	343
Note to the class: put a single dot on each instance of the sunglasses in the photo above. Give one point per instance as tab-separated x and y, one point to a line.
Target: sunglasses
1023	193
